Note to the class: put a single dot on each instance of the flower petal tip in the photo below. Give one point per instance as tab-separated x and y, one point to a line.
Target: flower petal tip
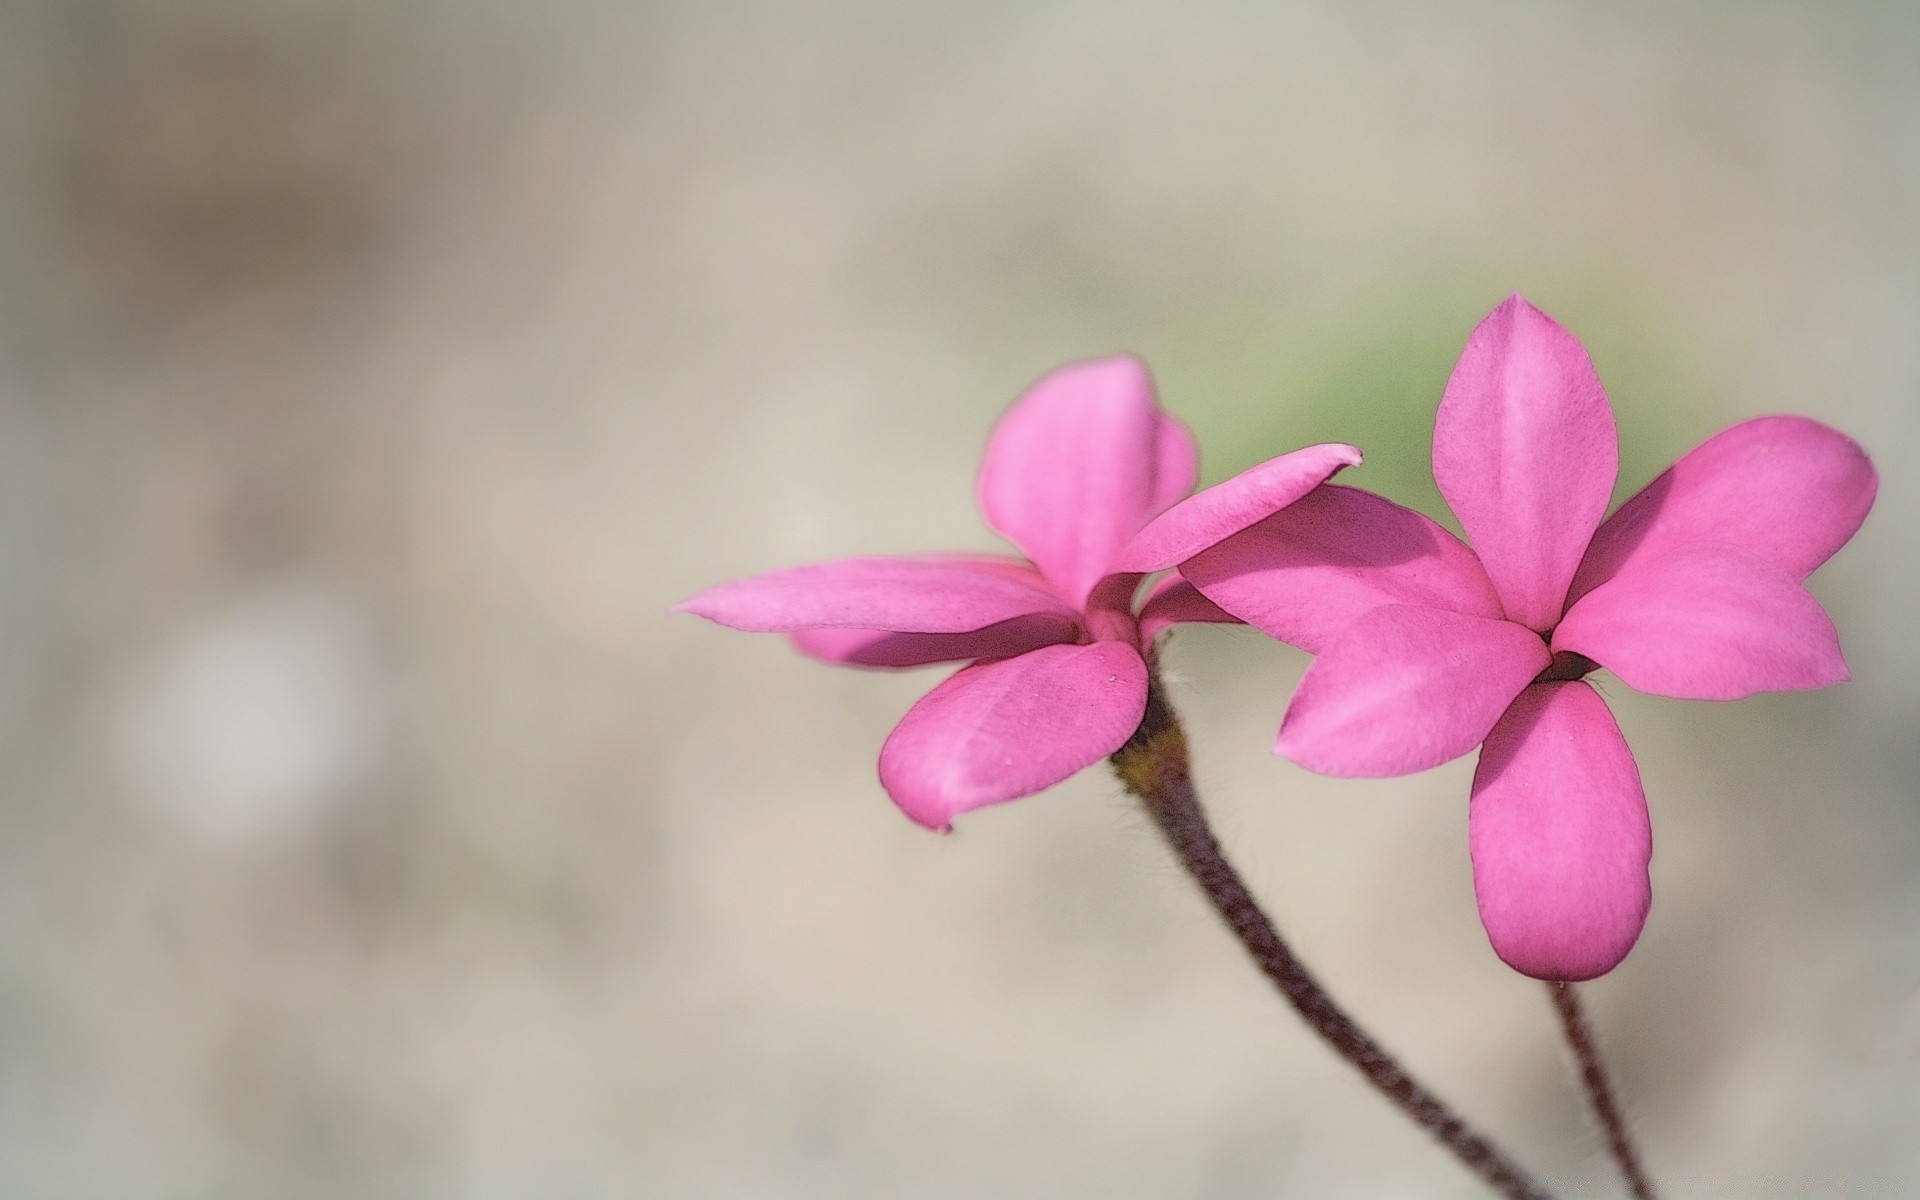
1565	972
1517	304
1203	521
1303	753
1287	742
941	828
693	605
921	809
1338	455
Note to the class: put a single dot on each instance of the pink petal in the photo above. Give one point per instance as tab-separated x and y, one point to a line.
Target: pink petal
1070	472
1005	565
1406	688
1308	571
1559	836
879	648
1174	601
1227	508
1525	453
901	595
1788	489
1705	621
1000	730
1177	463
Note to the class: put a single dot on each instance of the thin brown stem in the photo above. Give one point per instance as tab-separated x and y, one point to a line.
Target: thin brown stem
1593	1076
1153	765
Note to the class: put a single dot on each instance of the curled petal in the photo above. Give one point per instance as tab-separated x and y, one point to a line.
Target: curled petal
1308	571
1071	471
1788	489
1227	508
1559	836
881	649
1174	601
999	730
1404	689
1705	621
1525	452
899	595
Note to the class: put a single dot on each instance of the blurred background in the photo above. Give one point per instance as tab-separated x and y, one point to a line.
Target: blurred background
375	374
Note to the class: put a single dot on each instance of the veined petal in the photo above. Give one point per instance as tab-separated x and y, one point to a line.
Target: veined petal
1071	471
1788	489
1559	836
1404	689
1000	730
1525	452
1176	464
1227	508
1174	601
1705	621
899	595
880	649
1308	571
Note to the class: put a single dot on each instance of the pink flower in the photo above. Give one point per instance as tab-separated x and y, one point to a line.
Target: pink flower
1427	649
1072	475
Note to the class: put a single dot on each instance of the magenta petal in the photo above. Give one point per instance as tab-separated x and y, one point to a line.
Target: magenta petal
1177	463
1227	508
1000	730
1786	488
1307	572
1070	472
901	595
1174	601
1559	836
1706	621
1525	453
881	649
1406	688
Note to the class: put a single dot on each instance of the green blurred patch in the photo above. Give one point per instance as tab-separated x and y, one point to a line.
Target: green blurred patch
1374	378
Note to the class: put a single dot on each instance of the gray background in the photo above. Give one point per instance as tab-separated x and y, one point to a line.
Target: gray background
375	375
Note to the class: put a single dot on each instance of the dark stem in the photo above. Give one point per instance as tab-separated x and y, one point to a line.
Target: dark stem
1593	1076
1153	765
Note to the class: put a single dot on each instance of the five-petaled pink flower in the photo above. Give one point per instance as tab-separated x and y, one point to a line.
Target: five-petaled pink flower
1075	475
1426	649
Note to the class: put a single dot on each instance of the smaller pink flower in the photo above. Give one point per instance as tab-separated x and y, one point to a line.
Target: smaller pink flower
1075	475
1427	649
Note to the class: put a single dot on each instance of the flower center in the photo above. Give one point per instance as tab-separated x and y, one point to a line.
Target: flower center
1109	611
1566	665
1112	625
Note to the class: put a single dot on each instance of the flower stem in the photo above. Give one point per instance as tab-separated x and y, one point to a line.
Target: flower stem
1573	1022
1153	765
